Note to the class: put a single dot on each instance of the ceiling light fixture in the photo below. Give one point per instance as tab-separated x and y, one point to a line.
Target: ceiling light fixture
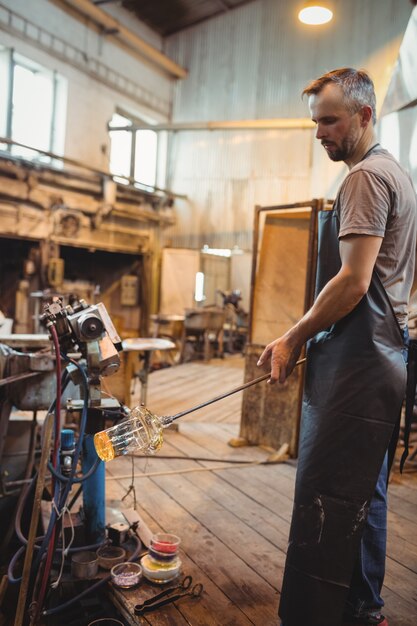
316	12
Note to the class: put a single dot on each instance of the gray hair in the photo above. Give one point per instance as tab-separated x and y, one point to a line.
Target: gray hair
357	87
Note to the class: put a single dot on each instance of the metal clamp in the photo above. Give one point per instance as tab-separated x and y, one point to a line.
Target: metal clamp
168	595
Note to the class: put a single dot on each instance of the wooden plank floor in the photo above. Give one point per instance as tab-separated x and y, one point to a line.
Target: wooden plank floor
234	522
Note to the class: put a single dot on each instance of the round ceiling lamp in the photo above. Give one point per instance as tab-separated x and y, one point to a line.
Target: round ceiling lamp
314	13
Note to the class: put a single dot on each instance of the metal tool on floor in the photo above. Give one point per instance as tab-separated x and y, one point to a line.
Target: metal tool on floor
172	594
184	585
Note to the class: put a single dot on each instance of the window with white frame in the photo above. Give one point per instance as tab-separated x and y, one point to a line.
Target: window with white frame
133	153
32	105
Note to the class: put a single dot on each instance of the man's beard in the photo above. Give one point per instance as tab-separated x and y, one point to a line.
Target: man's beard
339	155
342	153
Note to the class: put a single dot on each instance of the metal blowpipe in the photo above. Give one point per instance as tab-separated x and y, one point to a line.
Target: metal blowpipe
228	393
143	429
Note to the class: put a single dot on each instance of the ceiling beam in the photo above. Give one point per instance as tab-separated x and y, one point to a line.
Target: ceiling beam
224	5
115	29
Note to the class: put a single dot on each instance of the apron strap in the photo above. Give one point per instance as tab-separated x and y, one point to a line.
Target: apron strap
410	397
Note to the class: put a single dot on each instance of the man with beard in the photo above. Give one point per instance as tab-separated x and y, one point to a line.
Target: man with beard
356	371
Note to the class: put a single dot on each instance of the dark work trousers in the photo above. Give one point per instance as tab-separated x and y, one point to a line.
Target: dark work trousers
369	571
368	575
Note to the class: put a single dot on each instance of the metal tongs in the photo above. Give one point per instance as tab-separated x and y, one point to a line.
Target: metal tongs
171	594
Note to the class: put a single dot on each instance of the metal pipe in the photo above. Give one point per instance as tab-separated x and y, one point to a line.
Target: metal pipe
16	377
228	393
284	123
93	493
76	163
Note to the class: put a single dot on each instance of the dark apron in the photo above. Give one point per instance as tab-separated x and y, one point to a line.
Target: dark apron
354	388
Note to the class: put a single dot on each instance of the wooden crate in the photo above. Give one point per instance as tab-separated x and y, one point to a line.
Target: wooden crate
270	413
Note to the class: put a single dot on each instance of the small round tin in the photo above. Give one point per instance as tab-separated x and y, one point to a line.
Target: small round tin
126	575
84	564
108	556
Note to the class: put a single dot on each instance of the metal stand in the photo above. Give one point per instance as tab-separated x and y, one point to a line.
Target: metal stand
146	346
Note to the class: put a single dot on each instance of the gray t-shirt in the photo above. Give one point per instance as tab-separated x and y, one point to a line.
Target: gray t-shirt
378	198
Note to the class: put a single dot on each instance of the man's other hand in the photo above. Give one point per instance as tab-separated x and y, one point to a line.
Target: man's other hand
283	355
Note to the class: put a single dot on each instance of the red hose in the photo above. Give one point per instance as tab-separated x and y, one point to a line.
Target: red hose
57	439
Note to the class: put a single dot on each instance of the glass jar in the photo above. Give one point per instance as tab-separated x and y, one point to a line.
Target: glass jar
141	432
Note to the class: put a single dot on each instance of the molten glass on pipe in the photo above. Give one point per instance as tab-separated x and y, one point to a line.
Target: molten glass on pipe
143	429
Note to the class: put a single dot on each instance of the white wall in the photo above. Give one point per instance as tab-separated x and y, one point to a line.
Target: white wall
398	125
253	62
91	103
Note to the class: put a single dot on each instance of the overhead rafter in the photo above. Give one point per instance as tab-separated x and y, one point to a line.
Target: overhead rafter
114	28
168	17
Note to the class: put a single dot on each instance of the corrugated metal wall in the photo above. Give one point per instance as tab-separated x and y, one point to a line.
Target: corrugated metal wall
253	63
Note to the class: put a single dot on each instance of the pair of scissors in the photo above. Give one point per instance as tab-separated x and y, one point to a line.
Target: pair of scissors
170	595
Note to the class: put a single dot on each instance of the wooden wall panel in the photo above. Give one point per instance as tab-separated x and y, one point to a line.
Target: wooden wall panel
270	412
179	267
281	277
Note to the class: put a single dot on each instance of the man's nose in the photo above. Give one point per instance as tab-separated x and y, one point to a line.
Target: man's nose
320	132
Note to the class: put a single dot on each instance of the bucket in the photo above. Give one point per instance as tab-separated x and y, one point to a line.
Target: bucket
84	564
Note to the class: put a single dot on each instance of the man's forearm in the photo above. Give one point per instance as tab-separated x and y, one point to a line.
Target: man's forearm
338	298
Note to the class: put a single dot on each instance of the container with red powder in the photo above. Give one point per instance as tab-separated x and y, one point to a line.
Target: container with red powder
165	544
162	564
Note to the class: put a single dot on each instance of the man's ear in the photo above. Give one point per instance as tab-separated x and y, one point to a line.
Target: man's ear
366	115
